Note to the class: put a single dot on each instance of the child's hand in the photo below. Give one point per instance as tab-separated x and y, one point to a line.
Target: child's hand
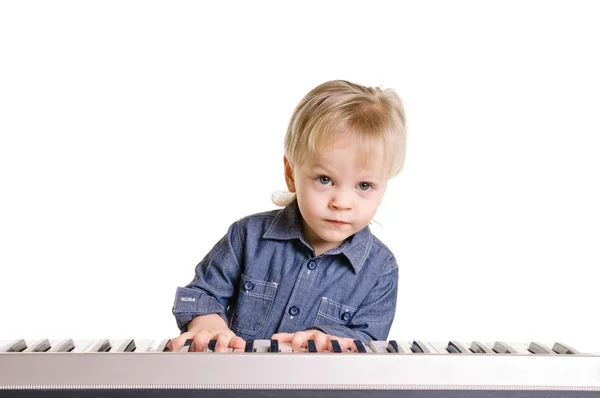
204	328
322	340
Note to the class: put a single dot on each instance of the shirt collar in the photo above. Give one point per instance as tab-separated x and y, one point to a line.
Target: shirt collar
287	225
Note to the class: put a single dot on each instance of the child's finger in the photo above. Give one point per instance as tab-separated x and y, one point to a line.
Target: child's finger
347	345
283	337
222	342
237	342
321	341
298	339
200	342
178	342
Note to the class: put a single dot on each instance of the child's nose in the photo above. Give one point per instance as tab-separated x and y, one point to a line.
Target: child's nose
341	200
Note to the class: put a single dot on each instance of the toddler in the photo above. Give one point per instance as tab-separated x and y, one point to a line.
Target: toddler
311	270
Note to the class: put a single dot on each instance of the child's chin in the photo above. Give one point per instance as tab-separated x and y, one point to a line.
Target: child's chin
335	237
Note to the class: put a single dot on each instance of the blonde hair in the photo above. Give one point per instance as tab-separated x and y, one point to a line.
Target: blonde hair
375	117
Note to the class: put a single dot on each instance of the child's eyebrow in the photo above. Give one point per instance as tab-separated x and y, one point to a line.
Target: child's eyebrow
318	166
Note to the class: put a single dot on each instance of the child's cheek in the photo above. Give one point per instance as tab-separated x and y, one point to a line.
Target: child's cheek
317	186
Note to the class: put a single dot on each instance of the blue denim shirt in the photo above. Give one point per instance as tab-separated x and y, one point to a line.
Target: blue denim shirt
263	278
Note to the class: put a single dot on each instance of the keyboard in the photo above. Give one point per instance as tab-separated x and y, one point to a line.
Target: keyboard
418	369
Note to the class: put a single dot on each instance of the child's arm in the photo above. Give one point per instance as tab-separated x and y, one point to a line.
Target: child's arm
204	328
200	306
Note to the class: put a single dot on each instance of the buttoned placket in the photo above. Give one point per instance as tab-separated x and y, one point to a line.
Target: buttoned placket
300	293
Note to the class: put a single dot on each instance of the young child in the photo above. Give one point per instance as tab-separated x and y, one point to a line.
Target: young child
311	270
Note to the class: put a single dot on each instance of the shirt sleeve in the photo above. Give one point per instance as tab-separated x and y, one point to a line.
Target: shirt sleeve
214	283
373	319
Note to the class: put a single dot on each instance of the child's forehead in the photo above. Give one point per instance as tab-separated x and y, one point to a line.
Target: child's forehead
344	146
361	162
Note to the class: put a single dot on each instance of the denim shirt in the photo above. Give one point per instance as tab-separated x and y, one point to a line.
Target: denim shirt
263	278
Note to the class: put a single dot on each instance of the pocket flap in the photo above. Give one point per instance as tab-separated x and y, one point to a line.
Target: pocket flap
335	311
257	288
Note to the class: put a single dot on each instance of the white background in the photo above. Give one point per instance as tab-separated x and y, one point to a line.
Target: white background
133	133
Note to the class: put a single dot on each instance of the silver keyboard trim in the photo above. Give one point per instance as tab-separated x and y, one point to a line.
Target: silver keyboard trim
235	370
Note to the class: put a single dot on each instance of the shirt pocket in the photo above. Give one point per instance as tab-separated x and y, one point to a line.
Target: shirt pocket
332	312
255	300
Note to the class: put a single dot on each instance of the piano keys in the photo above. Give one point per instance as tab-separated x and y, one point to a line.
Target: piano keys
133	367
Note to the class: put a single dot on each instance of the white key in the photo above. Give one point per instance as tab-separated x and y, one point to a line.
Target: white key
14	346
102	345
82	345
62	346
262	345
538	348
480	347
503	347
157	346
439	347
285	347
405	345
379	346
560	348
38	346
125	345
521	348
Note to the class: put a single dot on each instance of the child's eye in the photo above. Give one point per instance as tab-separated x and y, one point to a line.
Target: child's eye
364	186
324	180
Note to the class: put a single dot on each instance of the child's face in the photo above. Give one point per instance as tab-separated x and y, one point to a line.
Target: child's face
337	193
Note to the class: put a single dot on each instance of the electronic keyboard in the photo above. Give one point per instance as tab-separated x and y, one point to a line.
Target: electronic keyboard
418	369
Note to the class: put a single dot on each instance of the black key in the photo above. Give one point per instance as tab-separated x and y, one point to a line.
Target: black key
187	346
420	347
394	347
456	348
336	346
480	348
131	347
249	346
561	348
211	345
359	346
274	346
105	347
312	347
502	348
537	348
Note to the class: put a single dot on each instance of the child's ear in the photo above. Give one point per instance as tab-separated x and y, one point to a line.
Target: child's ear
288	170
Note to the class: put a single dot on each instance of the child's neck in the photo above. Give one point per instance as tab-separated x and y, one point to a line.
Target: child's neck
319	245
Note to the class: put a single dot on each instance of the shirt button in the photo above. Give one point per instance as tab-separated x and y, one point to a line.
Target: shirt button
345	316
248	285
294	310
312	265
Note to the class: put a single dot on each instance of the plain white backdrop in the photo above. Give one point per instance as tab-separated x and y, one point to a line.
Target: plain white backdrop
133	133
